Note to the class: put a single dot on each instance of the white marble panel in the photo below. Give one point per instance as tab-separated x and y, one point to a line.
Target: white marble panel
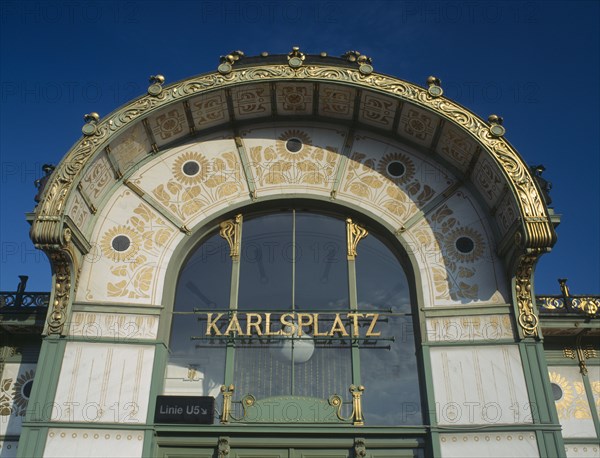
98	179
582	450
377	110
572	406
417	125
336	101
487	328
489	445
15	389
121	326
209	110
169	124
294	98
479	385
594	376
456	146
93	443
130	148
104	383
251	101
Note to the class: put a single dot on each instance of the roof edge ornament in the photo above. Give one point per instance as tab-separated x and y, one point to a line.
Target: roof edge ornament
156	87
226	65
434	86
364	63
296	58
496	128
91	123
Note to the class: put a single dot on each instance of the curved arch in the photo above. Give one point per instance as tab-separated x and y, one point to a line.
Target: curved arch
54	230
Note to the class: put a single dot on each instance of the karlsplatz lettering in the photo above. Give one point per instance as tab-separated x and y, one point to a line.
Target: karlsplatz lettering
291	324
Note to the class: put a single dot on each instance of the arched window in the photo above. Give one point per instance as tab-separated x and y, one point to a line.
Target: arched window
297	305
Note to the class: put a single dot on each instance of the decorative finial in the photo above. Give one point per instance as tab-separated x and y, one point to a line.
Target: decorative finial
296	58
156	87
364	63
434	86
496	128
91	120
227	62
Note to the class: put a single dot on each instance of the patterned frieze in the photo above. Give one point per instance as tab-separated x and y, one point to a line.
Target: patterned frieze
130	253
487	328
456	147
377	110
336	101
295	98
251	101
521	444
418	125
487	178
79	210
582	450
103	383
97	180
15	388
209	110
93	443
169	124
479	385
119	326
129	148
572	406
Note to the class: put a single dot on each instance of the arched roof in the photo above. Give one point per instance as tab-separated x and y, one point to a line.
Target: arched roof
294	87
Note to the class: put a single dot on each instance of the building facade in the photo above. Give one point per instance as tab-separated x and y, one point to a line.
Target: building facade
296	256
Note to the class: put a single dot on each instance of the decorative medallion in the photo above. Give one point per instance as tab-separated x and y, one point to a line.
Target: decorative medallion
464	244
563	403
120	243
397	167
191	168
293	145
22	391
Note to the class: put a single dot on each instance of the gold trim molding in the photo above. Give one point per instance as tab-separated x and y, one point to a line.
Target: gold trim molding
528	320
354	234
230	231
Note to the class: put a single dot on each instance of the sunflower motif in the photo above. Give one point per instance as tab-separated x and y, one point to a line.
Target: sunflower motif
563	404
22	389
397	167
191	168
293	145
120	243
464	244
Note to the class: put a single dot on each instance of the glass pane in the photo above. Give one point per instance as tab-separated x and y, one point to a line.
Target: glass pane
262	369
321	265
205	280
266	263
380	279
198	367
390	377
388	369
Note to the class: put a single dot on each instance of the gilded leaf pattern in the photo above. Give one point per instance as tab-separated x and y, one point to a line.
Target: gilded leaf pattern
134	275
312	165
221	178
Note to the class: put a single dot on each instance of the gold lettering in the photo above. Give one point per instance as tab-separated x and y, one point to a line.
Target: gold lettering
355	317
288	327
316	326
251	324
268	331
338	326
212	325
370	332
302	323
234	326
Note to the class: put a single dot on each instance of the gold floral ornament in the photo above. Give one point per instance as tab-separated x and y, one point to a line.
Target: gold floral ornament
293	145
397	167
464	244
121	243
191	168
22	391
565	390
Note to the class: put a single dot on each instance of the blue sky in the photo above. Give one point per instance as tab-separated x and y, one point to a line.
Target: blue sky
535	63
